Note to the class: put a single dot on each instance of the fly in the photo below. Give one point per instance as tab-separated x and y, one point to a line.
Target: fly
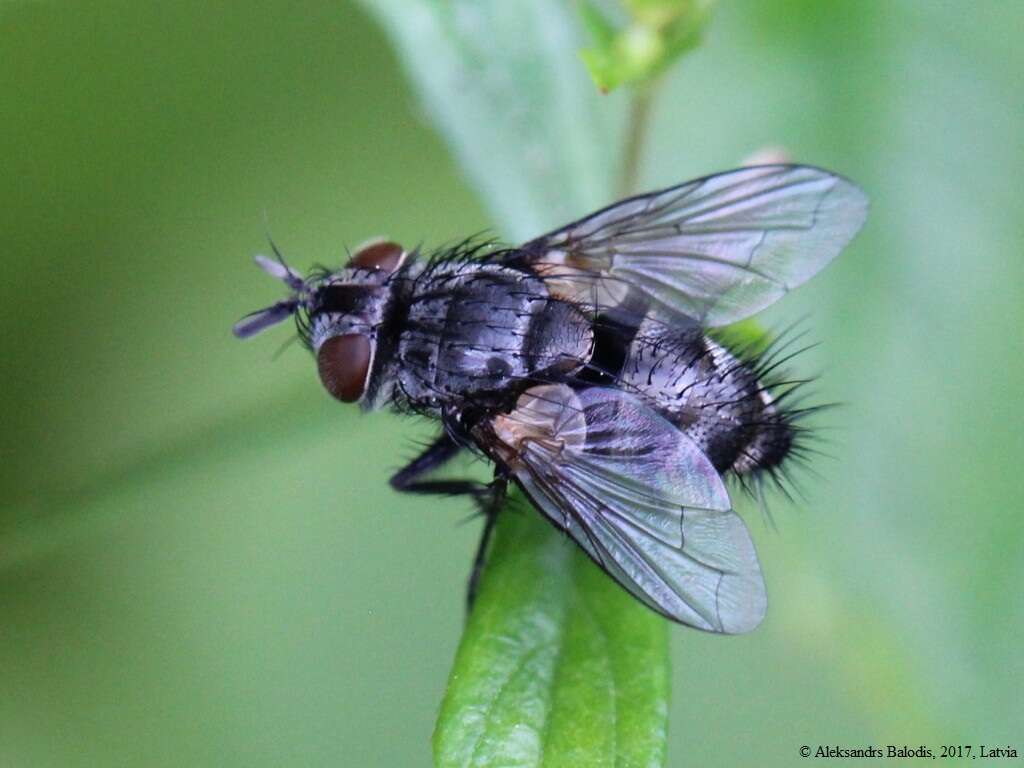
581	364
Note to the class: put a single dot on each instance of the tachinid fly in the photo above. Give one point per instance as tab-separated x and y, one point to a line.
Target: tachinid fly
580	363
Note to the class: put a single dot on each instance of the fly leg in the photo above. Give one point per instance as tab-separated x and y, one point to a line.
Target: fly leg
438	453
488	497
490	504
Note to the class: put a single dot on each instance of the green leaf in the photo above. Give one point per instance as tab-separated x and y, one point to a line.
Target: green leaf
656	33
503	84
558	664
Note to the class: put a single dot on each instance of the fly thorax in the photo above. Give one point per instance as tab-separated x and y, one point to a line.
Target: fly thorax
473	329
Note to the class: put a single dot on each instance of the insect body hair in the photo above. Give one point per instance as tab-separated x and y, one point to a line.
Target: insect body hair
782	438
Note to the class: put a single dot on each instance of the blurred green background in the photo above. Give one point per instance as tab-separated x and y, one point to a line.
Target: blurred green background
200	562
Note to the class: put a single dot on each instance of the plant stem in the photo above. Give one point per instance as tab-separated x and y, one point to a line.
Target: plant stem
636	136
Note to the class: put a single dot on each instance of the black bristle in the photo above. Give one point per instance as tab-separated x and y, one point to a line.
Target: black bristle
780	441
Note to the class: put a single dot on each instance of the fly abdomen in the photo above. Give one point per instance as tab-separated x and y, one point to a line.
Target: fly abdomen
712	394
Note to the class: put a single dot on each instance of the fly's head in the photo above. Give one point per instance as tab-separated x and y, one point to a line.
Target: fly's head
339	314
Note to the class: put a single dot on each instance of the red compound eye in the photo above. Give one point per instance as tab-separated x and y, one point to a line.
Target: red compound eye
343	362
382	255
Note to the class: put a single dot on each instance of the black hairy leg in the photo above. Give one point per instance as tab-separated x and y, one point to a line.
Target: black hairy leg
488	497
489	505
435	455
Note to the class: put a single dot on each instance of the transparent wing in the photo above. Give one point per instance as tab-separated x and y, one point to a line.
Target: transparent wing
640	498
716	249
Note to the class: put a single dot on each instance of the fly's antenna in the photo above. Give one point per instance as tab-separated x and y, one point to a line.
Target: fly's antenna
262	319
